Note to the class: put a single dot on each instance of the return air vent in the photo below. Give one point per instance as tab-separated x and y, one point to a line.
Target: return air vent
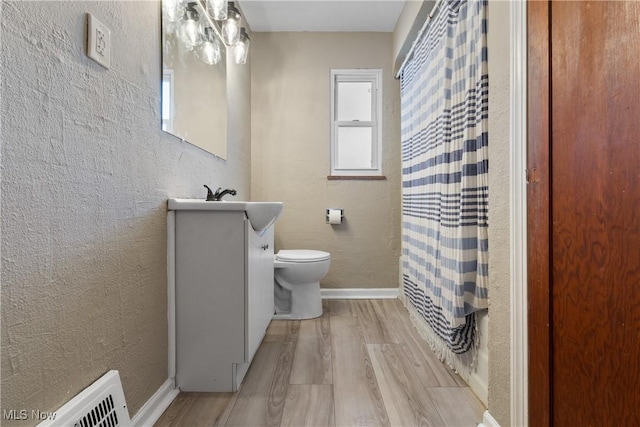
103	414
101	404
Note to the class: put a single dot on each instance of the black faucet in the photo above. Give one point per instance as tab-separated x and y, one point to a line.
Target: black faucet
217	196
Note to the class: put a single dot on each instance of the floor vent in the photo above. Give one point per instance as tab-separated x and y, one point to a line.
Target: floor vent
101	404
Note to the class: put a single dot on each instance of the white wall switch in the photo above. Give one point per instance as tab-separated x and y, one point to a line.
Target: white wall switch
98	41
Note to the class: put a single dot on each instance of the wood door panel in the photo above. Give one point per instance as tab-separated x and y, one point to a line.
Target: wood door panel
595	199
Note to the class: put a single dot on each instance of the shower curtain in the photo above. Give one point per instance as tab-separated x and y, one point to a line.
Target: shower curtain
444	96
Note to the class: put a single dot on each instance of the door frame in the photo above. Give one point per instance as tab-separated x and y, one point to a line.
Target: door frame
518	213
539	211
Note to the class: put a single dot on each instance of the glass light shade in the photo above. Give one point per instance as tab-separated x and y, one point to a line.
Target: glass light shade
217	9
190	33
210	52
241	49
231	26
173	10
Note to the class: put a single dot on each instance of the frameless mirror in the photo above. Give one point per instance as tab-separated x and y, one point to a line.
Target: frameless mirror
194	78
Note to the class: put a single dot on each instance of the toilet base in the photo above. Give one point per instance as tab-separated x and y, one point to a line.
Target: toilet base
306	302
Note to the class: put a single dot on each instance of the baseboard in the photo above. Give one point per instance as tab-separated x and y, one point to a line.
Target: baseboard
478	385
479	377
359	293
156	405
488	420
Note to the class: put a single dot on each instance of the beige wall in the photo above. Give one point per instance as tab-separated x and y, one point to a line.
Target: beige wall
86	172
408	26
291	147
499	202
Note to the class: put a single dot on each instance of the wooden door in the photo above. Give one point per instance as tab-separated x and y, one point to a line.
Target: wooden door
584	209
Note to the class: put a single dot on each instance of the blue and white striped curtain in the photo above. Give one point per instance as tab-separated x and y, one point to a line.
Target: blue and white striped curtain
444	95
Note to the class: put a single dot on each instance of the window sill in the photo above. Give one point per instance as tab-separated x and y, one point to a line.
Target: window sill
356	177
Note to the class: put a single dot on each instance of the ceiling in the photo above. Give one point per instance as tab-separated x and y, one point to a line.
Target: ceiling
321	15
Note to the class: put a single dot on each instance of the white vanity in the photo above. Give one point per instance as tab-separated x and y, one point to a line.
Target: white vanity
223	292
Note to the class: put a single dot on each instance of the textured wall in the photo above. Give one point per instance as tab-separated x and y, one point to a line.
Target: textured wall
410	22
86	172
290	153
499	202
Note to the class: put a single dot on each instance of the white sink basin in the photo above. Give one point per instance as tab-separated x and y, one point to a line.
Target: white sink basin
261	214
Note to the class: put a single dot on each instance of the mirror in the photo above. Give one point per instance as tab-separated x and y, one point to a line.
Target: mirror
194	80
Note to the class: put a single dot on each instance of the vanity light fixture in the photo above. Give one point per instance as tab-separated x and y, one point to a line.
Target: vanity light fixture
202	24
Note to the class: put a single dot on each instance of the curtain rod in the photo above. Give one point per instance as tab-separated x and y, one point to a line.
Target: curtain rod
415	42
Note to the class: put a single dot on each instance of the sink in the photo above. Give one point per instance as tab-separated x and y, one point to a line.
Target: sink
261	214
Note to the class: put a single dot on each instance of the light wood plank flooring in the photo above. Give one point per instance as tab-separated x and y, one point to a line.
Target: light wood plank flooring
361	364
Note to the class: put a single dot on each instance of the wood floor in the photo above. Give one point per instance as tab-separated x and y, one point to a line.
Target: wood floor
361	364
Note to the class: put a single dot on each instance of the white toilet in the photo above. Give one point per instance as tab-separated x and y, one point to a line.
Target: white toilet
297	283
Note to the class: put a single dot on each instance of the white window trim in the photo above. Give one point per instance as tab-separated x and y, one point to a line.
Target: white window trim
375	76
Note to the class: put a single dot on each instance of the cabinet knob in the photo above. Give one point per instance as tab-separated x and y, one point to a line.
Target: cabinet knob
265	247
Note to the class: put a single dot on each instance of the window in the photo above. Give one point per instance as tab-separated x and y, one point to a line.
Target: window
356	102
167	100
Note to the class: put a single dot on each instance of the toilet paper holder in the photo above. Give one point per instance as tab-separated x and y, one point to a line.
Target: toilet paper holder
333	209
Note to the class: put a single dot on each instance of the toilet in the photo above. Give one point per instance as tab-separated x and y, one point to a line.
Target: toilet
297	275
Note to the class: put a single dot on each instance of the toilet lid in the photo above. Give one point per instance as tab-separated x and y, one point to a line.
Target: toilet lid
302	255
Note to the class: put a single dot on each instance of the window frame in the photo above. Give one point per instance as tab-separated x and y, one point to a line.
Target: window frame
358	75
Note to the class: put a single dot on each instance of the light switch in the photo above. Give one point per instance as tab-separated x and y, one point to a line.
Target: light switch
98	41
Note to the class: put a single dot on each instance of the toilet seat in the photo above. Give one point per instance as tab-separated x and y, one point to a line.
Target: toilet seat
302	255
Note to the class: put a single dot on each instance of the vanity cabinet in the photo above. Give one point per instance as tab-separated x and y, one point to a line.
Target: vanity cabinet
223	297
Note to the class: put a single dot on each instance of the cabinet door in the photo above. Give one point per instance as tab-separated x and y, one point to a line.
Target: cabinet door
260	287
210	298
